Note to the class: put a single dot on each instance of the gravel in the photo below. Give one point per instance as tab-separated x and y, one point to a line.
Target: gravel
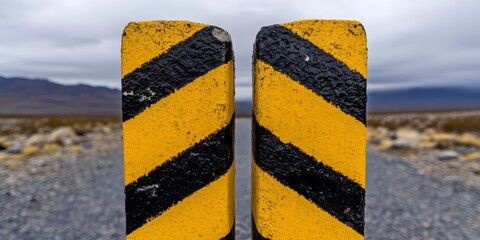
64	196
80	196
404	202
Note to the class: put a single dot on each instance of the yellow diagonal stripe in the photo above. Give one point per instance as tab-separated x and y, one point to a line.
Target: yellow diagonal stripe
344	40
210	210
178	121
297	115
281	213
155	39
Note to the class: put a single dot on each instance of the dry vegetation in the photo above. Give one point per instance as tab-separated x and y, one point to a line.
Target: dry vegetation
23	136
446	143
450	122
448	135
26	124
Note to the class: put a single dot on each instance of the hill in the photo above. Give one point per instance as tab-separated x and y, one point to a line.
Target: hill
27	96
407	100
424	99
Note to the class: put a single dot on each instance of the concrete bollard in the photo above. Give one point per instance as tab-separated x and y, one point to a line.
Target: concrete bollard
309	134
178	129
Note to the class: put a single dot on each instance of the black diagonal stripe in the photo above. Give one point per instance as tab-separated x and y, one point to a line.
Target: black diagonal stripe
230	235
256	235
172	70
341	197
314	68
179	177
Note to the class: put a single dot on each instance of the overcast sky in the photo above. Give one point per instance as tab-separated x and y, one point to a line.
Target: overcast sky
411	43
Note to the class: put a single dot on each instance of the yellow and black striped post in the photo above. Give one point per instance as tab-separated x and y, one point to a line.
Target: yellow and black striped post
309	135
178	108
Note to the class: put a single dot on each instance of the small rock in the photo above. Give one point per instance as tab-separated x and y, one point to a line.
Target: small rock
15	148
383	130
30	150
377	135
425	224
378	132
37	140
429	131
385	144
408	134
448	155
375	141
106	130
62	135
401	144
50	147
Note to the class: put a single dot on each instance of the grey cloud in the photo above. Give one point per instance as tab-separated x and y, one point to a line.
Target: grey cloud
427	47
410	43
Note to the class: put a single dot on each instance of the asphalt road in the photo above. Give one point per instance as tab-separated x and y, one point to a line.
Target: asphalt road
81	197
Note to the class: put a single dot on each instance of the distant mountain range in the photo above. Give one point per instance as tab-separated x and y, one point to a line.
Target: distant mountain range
408	100
27	96
424	99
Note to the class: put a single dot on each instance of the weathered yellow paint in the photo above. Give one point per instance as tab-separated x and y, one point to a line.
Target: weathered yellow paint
281	213
211	210
178	121
297	115
156	38
344	40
